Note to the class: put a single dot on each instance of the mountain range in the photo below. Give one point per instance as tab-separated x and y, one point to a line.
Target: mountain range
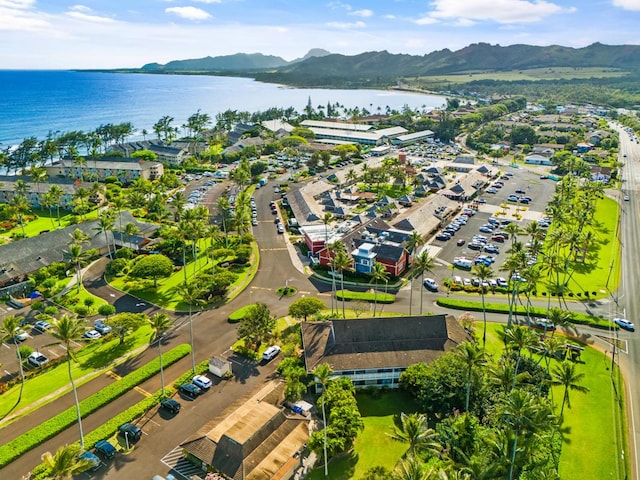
322	68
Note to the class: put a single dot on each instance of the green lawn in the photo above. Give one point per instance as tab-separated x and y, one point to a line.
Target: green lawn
97	355
595	421
373	446
44	221
601	274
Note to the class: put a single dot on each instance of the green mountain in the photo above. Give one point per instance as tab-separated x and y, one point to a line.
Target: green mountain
238	62
379	68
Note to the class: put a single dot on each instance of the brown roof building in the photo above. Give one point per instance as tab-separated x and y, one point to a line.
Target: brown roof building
375	351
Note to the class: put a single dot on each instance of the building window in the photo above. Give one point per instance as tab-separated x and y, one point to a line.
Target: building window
365	262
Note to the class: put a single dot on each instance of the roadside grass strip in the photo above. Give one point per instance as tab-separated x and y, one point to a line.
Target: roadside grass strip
48	429
365	296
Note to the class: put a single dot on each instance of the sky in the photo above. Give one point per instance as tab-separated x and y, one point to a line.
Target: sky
60	34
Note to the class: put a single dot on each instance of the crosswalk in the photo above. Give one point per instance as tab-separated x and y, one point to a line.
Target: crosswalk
181	466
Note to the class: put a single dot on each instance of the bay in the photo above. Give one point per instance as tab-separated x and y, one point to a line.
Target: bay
34	103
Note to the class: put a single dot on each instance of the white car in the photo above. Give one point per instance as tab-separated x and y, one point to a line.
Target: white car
37	359
430	284
624	323
202	382
20	335
92	334
42	325
101	327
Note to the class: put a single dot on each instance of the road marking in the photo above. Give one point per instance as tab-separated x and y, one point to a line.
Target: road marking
278	249
262	288
6	346
113	375
142	391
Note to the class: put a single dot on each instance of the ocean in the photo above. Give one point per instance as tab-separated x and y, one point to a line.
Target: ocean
36	103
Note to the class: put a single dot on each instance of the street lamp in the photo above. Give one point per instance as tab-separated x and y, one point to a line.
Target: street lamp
126	439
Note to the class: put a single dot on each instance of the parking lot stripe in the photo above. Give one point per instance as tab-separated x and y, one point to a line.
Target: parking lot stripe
142	391
113	375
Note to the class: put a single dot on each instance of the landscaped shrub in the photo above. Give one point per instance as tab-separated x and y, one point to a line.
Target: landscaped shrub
89	301
380	297
48	429
51	310
117	266
37	305
81	310
239	314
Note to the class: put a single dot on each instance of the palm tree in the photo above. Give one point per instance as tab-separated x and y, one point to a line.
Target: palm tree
160	323
472	357
412	468
66	462
8	333
69	329
516	339
56	194
559	317
332	251
106	222
413	242
130	229
20	206
38	175
342	262
321	376
424	263
190	293
119	203
76	256
414	430
513	230
179	202
378	272
483	272
565	375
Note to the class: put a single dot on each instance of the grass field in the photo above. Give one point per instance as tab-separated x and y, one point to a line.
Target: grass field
44	222
97	355
533	74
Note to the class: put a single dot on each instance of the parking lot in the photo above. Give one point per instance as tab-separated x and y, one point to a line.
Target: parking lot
461	243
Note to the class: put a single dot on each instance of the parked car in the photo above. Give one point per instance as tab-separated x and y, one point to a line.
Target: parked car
93	459
271	353
37	359
170	405
443	237
130	431
497	238
102	327
20	335
189	390
502	282
430	284
519	190
280	228
475	245
492	190
491	249
624	323
42	325
202	382
105	449
513	198
626	198
92	334
460	242
544	324
485	229
481	200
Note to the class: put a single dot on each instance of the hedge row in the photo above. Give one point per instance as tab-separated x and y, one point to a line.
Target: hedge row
48	429
108	429
539	312
365	296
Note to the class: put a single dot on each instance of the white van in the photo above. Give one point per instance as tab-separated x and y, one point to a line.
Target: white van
270	353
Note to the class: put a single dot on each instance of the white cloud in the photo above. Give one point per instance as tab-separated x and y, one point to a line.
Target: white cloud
627	4
427	20
362	13
346	25
501	11
390	17
190	13
18	4
85	14
208	1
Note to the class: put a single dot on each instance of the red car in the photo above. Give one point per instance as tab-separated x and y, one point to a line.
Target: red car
498	238
460	242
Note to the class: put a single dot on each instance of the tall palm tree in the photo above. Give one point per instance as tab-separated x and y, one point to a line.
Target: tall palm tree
472	357
321	376
559	317
130	229
76	256
8	333
414	429
516	339
424	263
160	323
483	272
38	175
413	242
119	203
412	468
566	376
69	329
342	262
66	462
20	206
56	193
378	272
106	222
332	251
190	293
179	202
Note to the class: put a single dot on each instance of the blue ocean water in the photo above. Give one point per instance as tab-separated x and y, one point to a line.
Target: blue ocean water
34	103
